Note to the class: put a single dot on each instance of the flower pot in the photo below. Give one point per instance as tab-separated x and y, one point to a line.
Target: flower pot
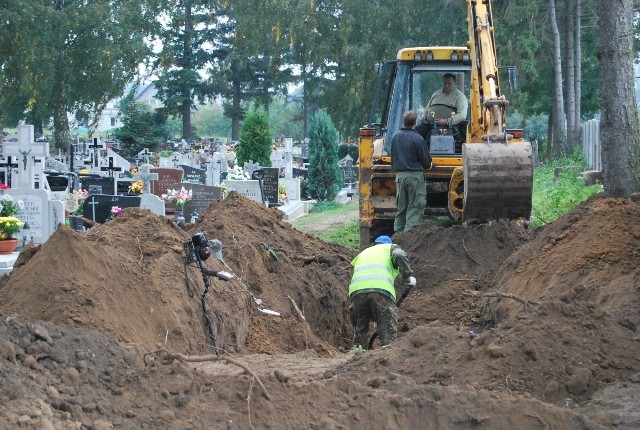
7	246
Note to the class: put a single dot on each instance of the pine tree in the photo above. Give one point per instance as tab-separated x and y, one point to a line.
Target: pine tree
324	173
255	139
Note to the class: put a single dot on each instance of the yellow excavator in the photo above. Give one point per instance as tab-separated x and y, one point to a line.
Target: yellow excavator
480	170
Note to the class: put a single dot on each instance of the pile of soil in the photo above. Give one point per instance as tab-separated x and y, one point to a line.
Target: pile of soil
553	316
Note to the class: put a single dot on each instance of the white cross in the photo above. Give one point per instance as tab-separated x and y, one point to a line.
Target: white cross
145	176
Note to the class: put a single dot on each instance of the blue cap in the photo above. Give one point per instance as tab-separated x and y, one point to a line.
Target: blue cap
383	239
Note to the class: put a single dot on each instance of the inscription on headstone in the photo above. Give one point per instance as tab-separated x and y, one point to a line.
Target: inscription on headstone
194	175
350	174
167	178
202	197
270	185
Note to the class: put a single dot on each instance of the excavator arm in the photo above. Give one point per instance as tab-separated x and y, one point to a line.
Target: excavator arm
498	169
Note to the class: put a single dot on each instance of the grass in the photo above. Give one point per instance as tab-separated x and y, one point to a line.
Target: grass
553	196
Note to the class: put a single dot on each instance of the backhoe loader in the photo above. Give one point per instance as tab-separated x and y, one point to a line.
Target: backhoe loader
481	171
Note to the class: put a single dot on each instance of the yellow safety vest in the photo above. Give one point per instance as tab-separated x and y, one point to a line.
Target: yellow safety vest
373	269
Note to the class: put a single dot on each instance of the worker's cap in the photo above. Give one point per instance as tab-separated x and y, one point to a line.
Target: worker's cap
383	239
216	249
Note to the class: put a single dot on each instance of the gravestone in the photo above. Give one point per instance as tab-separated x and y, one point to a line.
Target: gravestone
28	153
98	207
152	203
145	175
193	175
111	167
98	184
41	216
270	185
350	175
202	197
300	173
293	188
122	187
167	178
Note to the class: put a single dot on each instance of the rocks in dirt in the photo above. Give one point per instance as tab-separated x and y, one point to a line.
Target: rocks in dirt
579	381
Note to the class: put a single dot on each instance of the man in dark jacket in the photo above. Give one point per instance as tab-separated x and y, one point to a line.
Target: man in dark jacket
409	158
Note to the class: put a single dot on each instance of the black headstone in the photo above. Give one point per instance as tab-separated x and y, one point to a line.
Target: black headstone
350	174
123	187
98	207
58	182
202	197
98	185
299	173
193	175
270	185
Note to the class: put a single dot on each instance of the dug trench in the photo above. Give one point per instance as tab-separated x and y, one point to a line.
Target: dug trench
87	321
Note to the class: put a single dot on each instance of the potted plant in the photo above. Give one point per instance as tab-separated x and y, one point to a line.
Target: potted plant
179	199
9	224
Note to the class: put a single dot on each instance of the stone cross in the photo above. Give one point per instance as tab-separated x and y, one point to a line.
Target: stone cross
175	160
96	145
213	169
145	154
111	168
9	165
28	152
288	157
250	166
145	176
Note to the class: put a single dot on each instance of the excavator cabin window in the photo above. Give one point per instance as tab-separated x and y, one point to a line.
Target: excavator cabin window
414	86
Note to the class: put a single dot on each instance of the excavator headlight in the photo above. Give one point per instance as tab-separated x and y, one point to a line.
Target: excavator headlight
455	56
465	56
429	56
417	56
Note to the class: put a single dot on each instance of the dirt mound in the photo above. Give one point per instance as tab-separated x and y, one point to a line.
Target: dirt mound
557	349
126	279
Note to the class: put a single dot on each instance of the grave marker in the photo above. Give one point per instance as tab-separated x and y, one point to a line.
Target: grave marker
202	197
167	178
98	184
97	207
193	175
146	176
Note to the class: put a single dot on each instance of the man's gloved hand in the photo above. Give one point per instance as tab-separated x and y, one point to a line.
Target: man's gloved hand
411	282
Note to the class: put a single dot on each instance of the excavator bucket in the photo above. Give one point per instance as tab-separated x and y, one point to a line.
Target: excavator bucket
498	180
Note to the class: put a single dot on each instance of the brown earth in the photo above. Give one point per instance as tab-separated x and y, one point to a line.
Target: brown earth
84	316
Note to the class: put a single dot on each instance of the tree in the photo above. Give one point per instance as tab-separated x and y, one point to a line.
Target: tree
324	173
81	56
255	139
142	128
190	44
619	121
558	117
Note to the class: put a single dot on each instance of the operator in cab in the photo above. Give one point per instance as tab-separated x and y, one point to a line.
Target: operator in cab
447	107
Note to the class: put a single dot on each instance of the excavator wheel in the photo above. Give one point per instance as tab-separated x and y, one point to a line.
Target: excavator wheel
498	180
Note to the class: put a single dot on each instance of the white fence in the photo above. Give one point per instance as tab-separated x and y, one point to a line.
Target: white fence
591	143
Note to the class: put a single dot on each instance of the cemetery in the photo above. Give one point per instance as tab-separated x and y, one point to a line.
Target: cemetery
97	314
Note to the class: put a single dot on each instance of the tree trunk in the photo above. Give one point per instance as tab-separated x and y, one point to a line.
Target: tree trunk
559	143
619	132
236	114
578	74
570	67
187	65
60	119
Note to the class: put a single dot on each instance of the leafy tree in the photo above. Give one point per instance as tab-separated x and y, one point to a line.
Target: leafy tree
210	121
191	42
142	128
324	172
255	139
70	56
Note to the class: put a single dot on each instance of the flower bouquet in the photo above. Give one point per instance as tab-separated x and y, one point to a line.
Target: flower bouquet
282	193
9	224
236	173
136	187
178	198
